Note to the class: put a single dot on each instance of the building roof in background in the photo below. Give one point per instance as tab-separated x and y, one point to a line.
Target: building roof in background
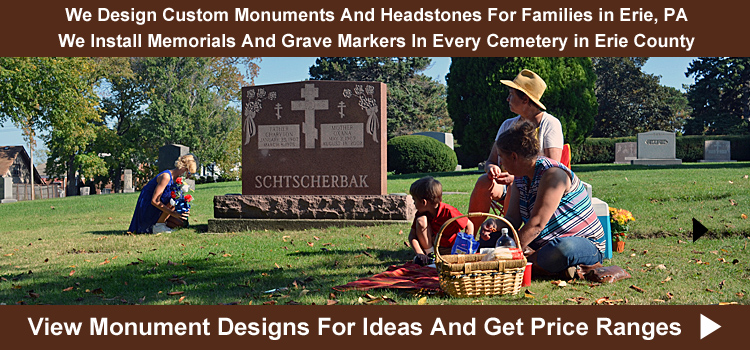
8	155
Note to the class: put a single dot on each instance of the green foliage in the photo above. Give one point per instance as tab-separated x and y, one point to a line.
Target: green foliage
419	154
416	102
631	101
687	148
720	96
477	100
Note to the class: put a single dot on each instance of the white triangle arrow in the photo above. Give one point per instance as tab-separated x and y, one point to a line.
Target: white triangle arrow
708	326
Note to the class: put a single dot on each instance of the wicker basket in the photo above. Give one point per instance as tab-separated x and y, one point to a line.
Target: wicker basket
466	275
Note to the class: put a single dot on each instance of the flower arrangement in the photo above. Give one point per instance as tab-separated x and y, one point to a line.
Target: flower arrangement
619	220
180	200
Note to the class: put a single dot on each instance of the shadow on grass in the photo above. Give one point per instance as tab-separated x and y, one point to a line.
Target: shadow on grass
213	279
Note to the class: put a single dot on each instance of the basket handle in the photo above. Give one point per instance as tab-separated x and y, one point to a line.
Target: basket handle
436	244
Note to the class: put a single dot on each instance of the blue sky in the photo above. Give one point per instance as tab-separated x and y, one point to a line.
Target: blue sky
275	70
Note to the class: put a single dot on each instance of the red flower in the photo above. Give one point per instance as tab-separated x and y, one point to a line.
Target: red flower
188	197
178	180
174	195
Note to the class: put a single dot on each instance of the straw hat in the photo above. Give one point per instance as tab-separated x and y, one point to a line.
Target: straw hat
530	84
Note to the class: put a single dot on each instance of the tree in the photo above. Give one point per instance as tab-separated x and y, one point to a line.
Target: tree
477	100
55	95
189	103
631	101
720	97
416	102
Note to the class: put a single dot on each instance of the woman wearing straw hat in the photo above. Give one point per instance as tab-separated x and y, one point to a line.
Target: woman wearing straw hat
523	98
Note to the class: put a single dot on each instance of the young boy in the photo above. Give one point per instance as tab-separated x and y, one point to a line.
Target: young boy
432	213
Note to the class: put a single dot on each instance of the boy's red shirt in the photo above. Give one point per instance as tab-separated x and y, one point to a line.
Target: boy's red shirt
443	214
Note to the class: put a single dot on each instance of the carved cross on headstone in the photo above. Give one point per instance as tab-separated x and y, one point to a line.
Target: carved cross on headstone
309	105
278	109
341	108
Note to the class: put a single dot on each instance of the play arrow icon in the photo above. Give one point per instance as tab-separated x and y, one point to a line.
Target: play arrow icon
708	326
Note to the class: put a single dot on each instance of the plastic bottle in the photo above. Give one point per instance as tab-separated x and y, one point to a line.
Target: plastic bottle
506	248
504	241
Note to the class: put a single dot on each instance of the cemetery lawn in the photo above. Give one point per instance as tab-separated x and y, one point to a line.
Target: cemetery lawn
75	251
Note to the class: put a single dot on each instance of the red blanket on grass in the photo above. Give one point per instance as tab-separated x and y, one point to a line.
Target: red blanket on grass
406	276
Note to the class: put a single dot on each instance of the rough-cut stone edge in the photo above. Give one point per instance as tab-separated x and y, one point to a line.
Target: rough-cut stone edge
240	225
404	210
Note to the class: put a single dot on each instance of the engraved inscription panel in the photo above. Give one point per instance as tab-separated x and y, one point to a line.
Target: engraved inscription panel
278	136
343	135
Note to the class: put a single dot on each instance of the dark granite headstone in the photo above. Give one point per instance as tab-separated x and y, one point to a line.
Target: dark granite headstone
169	154
314	138
656	148
318	147
717	151
625	152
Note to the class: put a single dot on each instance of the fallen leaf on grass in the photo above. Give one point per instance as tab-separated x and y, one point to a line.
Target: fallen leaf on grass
106	261
559	283
659	301
670	295
316	238
72	272
732	202
10	254
744	216
728	303
401	232
639	289
740	294
97	291
669	278
422	301
332	302
285	237
68	289
270	302
181	299
310	243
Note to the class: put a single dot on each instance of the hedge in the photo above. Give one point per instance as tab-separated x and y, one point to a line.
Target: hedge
419	154
688	148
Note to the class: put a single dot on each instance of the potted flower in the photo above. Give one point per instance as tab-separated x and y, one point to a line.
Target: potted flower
619	220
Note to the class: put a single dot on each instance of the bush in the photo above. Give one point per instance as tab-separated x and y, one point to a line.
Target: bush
419	154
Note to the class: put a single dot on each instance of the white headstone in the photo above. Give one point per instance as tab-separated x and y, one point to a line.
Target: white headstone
656	148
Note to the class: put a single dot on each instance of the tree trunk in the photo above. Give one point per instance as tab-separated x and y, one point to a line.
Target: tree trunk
116	183
72	189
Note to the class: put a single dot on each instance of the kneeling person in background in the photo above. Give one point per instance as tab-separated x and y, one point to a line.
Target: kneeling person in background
432	213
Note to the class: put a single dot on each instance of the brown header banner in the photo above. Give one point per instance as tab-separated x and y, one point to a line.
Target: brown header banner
376	28
375	327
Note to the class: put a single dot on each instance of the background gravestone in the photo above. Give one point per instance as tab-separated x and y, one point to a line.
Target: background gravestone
169	154
625	152
717	151
6	190
656	148
313	154
127	181
444	137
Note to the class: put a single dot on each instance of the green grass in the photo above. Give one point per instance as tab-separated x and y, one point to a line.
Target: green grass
74	250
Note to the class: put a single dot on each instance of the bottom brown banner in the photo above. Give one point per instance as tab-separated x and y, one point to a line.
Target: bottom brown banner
373	327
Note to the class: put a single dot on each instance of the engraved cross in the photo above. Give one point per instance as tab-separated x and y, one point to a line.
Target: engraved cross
309	105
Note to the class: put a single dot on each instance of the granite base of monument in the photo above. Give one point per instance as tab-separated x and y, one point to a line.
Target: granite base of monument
295	212
656	162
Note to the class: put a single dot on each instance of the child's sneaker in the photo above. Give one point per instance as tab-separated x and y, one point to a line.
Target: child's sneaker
161	228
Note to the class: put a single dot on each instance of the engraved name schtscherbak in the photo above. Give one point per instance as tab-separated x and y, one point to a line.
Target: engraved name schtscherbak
310	181
657	142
